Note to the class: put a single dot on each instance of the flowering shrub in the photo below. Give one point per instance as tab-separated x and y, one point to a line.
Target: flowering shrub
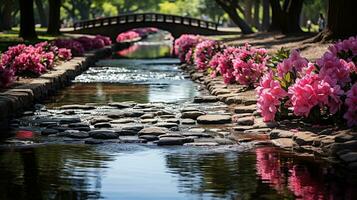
203	53
249	65
322	90
136	33
22	60
79	45
183	45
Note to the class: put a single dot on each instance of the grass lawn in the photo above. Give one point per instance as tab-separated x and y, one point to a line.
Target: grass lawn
10	38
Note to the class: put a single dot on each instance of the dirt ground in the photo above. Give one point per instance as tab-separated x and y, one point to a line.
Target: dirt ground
275	41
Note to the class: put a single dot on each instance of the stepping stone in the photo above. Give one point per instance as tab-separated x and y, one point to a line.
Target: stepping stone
197	130
247	121
245	109
205	99
176	121
93	141
224	141
133	113
188	121
278	133
147	116
304	138
191	114
242	128
48	124
77	107
122	105
171	135
201	144
75	134
102	125
285	143
129	129
166	125
123	121
69	120
149	137
189	109
100	119
149	121
172	141
259	130
103	134
214	119
49	131
167	116
153	131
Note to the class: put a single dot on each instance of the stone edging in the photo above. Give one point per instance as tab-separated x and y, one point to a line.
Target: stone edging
337	145
16	100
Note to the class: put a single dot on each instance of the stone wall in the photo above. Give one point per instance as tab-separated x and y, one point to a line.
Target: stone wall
25	94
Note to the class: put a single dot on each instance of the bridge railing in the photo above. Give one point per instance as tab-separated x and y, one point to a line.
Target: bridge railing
144	17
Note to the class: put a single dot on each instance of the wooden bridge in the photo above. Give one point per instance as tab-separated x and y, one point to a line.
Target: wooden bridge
176	25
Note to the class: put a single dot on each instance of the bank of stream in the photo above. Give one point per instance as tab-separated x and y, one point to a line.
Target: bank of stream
127	129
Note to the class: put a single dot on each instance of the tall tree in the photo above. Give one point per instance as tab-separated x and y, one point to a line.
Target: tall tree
286	18
54	23
231	7
6	8
341	22
27	20
256	14
266	15
41	13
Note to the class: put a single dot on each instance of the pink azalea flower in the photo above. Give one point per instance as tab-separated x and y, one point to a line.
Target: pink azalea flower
351	103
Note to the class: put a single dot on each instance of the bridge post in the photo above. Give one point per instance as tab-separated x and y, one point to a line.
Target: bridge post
109	21
190	22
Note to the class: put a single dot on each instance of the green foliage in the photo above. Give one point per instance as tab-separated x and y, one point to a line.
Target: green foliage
278	57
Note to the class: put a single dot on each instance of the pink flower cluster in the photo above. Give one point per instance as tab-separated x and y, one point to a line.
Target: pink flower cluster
204	52
244	65
184	44
22	60
323	89
79	45
136	33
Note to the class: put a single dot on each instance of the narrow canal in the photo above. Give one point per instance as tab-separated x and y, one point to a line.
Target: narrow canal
36	167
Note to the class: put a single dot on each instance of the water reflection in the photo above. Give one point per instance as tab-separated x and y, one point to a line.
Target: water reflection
147	172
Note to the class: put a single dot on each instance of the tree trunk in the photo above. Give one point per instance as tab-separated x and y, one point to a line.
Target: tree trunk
266	15
6	15
234	16
276	15
256	14
248	11
41	13
341	21
27	21
54	24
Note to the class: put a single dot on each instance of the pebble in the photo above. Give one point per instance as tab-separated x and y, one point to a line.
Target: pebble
153	131
103	134
191	114
214	119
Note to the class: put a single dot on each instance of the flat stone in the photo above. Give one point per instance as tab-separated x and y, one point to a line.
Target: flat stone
167	116
47	124
147	116
102	125
278	133
122	105
103	134
171	141
166	125
349	157
242	128
201	144
286	143
196	134
115	114
100	119
93	141
173	120
258	130
130	129
205	99
149	137
133	113
69	120
214	119
259	123
349	145
248	121
149	121
171	135
245	109
153	131
79	124
49	131
123	121
191	114
224	141
197	130
75	134
345	135
76	107
164	112
189	109
188	121
304	138
60	128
